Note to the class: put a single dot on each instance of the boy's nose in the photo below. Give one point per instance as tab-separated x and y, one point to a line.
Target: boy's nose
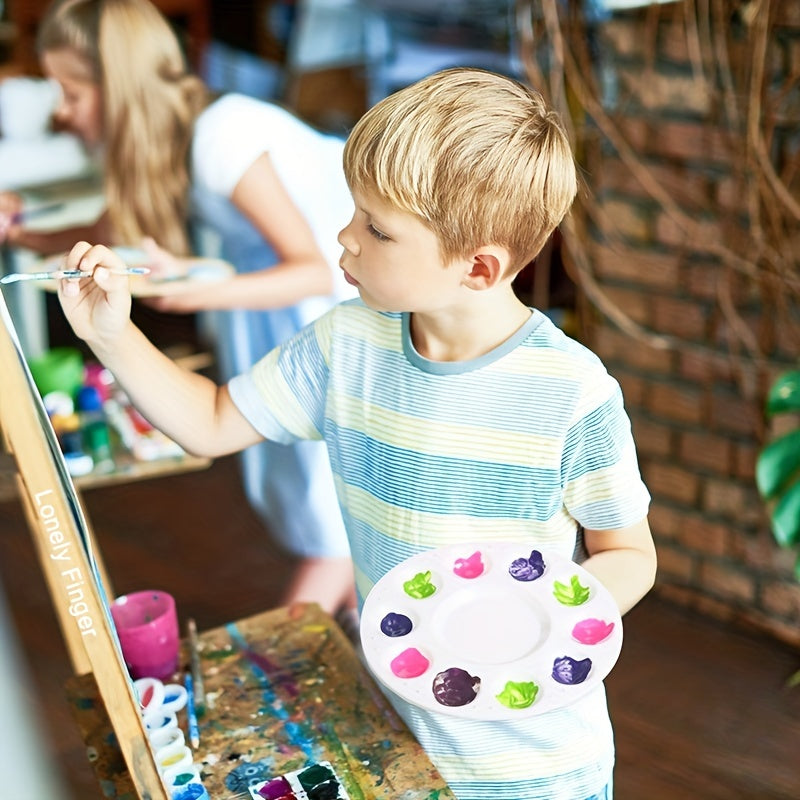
347	241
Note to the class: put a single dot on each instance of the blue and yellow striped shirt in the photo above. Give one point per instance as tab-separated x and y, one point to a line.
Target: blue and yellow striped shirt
528	443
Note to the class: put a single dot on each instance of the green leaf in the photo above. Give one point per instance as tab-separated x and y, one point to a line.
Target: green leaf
784	394
777	464
786	517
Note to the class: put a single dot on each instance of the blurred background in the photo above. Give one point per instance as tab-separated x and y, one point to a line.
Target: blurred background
678	266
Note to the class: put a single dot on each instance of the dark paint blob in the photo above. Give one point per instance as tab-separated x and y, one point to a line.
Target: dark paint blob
527	569
325	791
455	687
276	789
314	775
569	671
396	624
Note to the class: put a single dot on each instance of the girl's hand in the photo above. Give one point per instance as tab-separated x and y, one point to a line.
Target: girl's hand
10	207
161	262
98	308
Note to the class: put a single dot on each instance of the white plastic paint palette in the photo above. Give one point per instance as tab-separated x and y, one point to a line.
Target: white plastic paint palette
490	631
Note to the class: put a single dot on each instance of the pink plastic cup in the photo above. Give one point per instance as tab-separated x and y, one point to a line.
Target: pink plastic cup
147	627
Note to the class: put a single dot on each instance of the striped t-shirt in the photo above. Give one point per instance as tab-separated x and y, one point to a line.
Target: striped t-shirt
526	443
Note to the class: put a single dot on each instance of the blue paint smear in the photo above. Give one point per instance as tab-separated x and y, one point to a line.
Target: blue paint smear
295	733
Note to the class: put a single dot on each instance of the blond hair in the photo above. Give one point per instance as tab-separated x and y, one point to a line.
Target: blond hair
150	103
478	157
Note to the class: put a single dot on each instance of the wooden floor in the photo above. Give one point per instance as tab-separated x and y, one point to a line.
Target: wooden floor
700	710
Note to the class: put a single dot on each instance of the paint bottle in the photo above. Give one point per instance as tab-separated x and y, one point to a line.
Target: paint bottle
94	426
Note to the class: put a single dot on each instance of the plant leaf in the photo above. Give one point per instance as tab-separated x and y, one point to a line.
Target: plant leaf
784	394
786	517
777	463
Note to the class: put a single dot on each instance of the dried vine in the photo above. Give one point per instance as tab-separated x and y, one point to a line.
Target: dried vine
757	253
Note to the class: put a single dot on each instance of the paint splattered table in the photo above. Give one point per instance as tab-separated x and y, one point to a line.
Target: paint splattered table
284	689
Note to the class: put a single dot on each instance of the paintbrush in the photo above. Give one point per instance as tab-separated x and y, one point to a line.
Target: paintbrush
56	274
197	676
191	712
36	211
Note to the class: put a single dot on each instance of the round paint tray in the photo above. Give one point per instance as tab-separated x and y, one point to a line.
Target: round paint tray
489	631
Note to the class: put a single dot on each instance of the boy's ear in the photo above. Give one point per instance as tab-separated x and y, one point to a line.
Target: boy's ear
488	266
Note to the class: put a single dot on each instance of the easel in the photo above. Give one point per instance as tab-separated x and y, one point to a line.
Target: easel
65	548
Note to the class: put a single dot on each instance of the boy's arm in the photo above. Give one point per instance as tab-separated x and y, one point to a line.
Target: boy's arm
189	408
624	560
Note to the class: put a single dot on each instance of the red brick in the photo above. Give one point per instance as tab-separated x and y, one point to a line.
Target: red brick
665	521
744	460
733	583
735	501
643	267
786	14
705	367
758	550
682	233
624	36
665	93
675	565
734	415
671	481
691	190
704	536
707	451
633	388
672	43
782	598
625	219
688	141
652	438
634	304
613	345
702	278
679	317
672	402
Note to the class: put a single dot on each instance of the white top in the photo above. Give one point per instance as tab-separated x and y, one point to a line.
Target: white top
234	131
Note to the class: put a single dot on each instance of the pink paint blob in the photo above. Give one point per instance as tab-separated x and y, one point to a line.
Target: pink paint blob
592	631
470	567
409	664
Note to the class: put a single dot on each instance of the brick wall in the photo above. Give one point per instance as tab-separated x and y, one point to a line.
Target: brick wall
706	337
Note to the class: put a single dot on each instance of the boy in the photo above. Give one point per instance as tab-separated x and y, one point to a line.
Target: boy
452	412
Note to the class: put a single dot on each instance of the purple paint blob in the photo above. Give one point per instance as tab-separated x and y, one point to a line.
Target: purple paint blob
569	671
471	567
527	569
455	687
396	624
276	789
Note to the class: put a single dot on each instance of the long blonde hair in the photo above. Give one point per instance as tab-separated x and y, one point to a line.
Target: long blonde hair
150	103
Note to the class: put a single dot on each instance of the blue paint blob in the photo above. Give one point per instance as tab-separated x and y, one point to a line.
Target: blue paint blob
396	624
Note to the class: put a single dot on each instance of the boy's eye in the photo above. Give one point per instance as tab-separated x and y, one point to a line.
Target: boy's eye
381	237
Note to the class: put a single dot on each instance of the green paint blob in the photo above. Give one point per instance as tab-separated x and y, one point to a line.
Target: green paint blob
518	694
573	595
420	586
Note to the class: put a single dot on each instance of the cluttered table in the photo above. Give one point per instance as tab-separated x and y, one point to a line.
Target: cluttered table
284	690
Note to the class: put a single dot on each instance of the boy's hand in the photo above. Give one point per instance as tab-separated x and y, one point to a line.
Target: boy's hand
98	308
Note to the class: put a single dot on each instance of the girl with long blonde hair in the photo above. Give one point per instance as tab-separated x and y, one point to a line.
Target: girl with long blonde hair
176	161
